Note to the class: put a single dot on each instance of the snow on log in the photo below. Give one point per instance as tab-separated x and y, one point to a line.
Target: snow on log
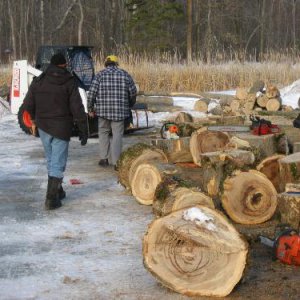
203	141
146	178
195	252
249	197
270	167
177	150
289	209
131	158
174	193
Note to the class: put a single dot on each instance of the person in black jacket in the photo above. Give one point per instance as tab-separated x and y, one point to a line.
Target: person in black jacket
54	104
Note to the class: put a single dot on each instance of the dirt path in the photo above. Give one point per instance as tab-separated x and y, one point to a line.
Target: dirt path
91	247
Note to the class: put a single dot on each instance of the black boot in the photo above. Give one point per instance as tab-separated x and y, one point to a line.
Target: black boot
52	197
61	192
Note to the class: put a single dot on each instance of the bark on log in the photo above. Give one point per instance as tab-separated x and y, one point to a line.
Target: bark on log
195	252
129	156
249	197
183	117
289	169
203	141
289	209
202	105
270	167
273	104
174	193
146	178
155	100
176	150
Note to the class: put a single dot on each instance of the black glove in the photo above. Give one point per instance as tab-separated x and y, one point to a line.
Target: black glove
82	131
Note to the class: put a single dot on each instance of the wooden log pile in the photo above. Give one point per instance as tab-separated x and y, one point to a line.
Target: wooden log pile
195	183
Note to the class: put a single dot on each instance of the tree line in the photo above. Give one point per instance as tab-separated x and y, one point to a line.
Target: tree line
208	30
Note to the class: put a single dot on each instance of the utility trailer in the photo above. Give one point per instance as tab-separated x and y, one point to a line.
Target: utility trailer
80	64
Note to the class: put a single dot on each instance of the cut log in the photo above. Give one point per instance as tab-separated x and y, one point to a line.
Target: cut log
217	110
177	150
296	147
202	105
146	178
273	104
226	101
289	169
249	103
173	193
262	100
154	107
183	117
129	156
203	141
264	144
235	105
148	155
289	209
195	252
249	197
241	93
270	167
272	91
155	100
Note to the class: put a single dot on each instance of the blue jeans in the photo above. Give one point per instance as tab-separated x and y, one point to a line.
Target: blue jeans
56	152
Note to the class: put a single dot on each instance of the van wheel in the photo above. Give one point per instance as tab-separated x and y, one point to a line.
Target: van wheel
24	120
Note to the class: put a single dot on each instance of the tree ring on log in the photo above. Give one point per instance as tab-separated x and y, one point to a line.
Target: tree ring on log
249	197
195	251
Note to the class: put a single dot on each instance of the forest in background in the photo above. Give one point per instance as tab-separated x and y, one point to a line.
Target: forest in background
181	30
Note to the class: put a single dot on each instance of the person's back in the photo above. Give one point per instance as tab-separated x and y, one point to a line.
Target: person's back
54	103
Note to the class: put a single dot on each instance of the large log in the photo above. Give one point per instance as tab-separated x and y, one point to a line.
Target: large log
262	100
195	252
257	86
216	167
154	107
249	197
155	100
289	209
273	104
183	117
241	93
289	169
131	154
148	155
177	150
272	91
174	193
270	167
146	178
203	141
202	105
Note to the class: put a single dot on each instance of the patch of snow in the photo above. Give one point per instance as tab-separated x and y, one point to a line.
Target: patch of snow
185	102
196	215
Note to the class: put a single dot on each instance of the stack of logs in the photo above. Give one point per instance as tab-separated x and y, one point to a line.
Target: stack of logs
191	247
256	98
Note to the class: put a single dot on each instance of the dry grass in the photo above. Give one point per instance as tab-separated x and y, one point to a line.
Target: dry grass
165	73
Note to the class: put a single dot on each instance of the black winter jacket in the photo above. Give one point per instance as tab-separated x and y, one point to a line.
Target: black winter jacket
54	102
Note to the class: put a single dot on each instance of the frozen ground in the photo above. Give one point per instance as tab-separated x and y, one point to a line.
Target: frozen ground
91	248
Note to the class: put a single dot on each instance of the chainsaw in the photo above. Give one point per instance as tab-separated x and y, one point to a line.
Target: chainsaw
261	126
170	131
286	246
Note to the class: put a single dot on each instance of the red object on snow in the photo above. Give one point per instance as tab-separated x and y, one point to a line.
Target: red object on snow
75	181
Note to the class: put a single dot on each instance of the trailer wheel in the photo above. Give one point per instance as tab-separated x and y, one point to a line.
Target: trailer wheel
25	120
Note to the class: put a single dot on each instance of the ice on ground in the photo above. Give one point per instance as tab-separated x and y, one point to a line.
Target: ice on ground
196	215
